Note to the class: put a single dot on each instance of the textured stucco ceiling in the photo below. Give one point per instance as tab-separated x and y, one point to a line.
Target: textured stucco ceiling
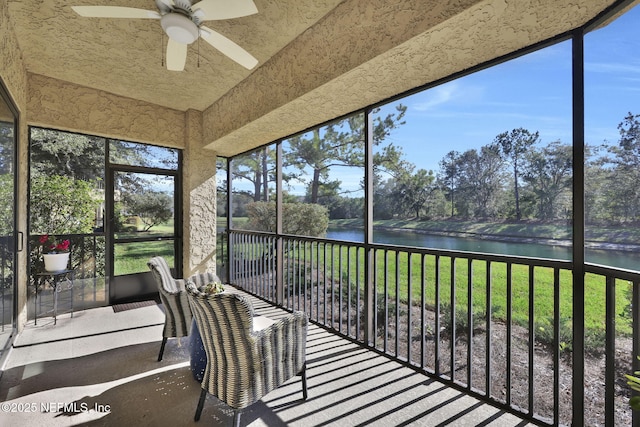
124	56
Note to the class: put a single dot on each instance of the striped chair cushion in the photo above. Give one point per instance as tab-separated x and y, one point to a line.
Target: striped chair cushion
243	364
174	299
202	279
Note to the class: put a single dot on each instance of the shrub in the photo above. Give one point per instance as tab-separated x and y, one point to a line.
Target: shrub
300	219
544	333
62	205
461	318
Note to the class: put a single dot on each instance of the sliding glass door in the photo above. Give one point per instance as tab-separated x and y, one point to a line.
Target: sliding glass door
8	209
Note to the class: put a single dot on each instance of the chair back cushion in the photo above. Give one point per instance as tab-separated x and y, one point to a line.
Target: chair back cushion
202	279
162	274
174	300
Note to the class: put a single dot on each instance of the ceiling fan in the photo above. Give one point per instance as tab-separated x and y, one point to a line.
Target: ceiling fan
182	22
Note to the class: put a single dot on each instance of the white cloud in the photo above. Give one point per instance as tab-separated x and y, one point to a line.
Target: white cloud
438	96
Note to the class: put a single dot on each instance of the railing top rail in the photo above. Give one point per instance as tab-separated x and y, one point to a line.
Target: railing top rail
618	273
101	233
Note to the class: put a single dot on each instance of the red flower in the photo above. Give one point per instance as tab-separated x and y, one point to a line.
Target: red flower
50	244
64	246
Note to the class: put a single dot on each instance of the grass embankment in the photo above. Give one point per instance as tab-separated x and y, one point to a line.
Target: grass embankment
627	234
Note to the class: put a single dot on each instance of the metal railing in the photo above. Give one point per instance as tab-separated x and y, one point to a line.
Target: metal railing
498	327
87	260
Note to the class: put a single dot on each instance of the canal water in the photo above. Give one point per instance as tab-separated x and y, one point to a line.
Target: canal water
612	258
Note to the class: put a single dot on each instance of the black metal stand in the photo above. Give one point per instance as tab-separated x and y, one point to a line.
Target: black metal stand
54	278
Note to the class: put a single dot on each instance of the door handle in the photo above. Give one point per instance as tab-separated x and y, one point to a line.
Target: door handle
20	241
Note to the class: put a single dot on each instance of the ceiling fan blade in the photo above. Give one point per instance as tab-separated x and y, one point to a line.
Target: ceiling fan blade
225	9
229	48
176	55
114	12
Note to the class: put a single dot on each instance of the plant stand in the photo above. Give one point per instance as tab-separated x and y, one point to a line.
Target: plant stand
55	280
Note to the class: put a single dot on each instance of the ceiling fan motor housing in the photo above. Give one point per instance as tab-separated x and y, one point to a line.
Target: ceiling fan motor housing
180	28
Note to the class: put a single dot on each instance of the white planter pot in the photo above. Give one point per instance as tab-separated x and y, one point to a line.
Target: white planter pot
56	262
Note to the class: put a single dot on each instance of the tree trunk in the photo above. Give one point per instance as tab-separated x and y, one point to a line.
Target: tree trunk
515	178
257	186
315	185
452	204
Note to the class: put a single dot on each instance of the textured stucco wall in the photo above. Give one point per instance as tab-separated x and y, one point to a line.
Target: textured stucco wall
199	201
355	32
14	76
398	46
66	106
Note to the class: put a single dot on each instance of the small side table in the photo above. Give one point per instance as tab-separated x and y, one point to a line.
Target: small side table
55	279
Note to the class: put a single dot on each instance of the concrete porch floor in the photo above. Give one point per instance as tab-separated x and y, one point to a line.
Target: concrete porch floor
100	368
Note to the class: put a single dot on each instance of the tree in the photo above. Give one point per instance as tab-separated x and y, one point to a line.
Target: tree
6	205
80	156
383	205
513	146
7	147
628	152
480	182
338	144
221	187
62	205
597	184
414	189
63	153
548	173
449	175
153	207
623	193
258	168
388	197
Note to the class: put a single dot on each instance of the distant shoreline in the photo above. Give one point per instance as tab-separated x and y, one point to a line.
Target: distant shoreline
508	238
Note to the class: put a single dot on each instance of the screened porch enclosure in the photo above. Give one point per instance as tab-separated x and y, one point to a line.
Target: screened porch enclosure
531	306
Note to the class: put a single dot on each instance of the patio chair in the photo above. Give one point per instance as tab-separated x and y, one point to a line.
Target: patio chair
244	364
174	299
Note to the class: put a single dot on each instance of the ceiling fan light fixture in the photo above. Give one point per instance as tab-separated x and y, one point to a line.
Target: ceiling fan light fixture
179	28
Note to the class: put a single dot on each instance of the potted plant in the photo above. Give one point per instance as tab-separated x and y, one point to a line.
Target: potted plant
212	288
54	253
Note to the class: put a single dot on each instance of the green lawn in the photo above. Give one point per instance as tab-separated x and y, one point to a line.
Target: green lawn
132	258
410	274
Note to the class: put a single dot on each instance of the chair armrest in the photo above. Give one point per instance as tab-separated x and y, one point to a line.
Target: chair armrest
297	320
261	322
289	332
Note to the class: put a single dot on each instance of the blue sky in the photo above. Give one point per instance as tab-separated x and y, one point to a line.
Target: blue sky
532	92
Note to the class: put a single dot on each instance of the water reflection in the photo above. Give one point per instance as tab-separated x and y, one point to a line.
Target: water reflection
619	259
